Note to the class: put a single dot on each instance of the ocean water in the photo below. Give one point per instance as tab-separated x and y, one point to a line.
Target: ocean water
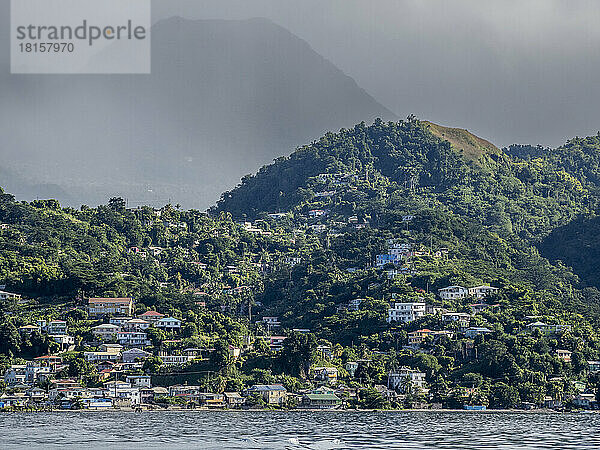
299	430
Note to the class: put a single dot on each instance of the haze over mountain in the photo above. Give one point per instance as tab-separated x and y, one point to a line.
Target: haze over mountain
224	98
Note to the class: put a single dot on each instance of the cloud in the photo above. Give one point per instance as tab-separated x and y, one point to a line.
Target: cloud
511	70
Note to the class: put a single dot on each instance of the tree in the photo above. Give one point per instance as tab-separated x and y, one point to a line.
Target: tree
220	358
505	396
298	353
371	398
152	364
10	339
117	204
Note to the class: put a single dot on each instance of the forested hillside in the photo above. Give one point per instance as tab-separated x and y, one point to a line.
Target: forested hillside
308	263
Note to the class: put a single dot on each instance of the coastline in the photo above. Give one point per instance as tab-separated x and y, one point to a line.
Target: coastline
299	410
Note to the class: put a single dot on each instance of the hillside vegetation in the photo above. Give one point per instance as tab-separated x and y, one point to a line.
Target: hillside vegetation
323	243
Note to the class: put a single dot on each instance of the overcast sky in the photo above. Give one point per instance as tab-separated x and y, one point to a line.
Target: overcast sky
510	71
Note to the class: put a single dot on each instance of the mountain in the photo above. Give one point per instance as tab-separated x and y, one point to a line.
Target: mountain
524	197
224	97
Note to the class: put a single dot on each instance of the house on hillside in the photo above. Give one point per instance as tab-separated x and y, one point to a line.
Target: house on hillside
564	355
406	380
453	293
168	323
476	331
103	306
405	311
151	316
4	295
482	291
106	331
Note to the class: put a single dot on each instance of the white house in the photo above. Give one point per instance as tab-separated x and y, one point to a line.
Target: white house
106	331
62	339
9	296
136	325
463	319
168	323
101	356
271	322
176	360
57	327
405	312
453	292
139	381
482	291
406	379
132	338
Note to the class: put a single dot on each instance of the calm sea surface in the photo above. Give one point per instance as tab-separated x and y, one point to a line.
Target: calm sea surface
300	430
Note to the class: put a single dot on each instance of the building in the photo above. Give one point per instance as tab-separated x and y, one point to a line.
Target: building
326	374
275	342
463	319
97	357
151	316
63	340
168	323
585	401
104	306
477	308
4	295
57	327
351	367
406	380
386	258
272	394
434	309
594	366
321	401
453	293
476	331
354	304
119	320
482	291
565	355
28	329
135	325
406	312
15	374
415	338
133	338
176	360
233	399
549	329
106	331
134	355
271	322
139	381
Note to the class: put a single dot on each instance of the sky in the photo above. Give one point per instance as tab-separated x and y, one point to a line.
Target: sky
510	71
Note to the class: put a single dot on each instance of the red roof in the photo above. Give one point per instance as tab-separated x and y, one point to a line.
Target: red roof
151	314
